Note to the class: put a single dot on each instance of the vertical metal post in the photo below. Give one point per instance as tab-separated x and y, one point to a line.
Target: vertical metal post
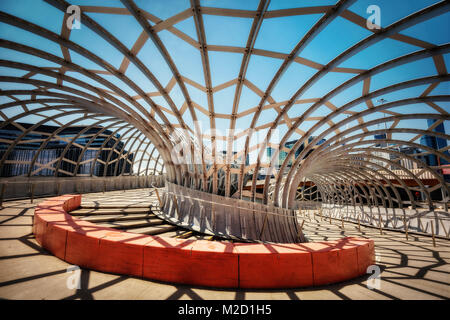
406	227
213	215
32	193
432	234
2	194
264	224
159	198
380	221
176	205
300	230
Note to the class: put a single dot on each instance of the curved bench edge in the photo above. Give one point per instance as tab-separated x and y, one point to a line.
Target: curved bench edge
196	262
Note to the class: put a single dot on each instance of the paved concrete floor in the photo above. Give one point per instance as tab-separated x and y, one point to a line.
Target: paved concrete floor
412	269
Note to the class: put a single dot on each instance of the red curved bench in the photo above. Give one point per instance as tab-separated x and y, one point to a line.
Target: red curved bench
196	262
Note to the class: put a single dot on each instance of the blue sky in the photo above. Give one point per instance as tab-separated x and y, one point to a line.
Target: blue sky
276	34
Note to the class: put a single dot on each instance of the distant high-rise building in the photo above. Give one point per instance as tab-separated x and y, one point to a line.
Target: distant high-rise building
289	145
434	143
380	154
380	137
430	142
235	161
406	162
24	152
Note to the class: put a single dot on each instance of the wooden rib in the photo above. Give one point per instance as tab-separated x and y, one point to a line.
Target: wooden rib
148	16
29	74
100	72
330	106
355	18
166	110
436	107
173	20
224	85
148	94
279	55
194	84
200	108
407	21
296	11
430	88
254	88
270	54
208	136
183	108
348	70
286	118
360	21
440	65
308	63
303	101
143	37
412	41
361	121
184	36
223	116
431	128
366	86
65	34
226	48
246	112
393	125
228	12
314	118
110	10
170	84
201	36
390	112
366	89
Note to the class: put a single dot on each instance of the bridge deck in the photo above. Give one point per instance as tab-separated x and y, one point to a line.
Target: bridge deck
410	269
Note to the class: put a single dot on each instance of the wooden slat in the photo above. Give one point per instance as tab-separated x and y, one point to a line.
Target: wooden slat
226	48
143	37
224	85
439	62
412	41
270	54
428	90
184	36
296	11
194	84
110	10
172	20
170	85
228	12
